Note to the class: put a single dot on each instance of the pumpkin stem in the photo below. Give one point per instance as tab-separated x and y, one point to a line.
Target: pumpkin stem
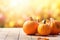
44	21
31	18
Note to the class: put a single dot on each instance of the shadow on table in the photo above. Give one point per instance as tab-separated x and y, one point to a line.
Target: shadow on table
37	35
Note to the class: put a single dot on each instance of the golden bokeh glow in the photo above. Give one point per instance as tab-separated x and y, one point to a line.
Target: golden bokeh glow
24	8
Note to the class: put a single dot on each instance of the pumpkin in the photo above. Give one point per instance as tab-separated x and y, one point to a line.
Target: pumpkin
55	26
44	28
58	25
43	39
19	23
30	27
29	18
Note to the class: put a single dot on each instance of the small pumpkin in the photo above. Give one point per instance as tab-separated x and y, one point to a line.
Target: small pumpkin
30	27
19	23
29	18
55	26
44	28
58	25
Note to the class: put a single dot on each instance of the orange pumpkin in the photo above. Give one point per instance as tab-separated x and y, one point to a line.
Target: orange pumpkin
58	25
55	26
43	39
44	29
29	18
30	27
19	23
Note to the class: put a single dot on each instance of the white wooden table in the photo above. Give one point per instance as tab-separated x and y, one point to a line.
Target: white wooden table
18	34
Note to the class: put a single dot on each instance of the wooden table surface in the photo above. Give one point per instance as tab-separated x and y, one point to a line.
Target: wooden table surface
18	34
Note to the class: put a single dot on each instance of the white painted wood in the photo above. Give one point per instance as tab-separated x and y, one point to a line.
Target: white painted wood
23	36
1	39
3	33
18	34
13	34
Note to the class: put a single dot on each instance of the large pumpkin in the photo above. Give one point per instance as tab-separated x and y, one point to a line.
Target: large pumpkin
44	29
30	27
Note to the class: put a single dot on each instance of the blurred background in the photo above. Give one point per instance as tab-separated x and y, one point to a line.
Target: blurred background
13	13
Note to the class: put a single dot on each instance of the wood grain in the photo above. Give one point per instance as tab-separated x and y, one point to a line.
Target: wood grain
37	37
18	34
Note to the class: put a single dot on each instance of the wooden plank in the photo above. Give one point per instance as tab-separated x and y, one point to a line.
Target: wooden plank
3	33
13	34
50	37
18	34
47	37
23	36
